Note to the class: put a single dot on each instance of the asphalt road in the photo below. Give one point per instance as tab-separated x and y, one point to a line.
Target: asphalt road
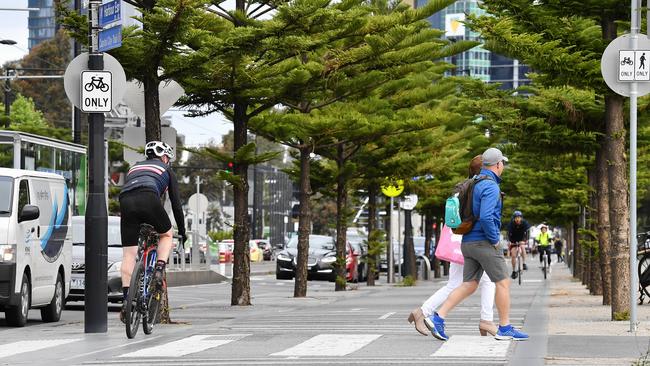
360	326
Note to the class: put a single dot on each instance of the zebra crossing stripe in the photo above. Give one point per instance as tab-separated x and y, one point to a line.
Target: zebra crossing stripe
186	346
329	345
15	348
473	346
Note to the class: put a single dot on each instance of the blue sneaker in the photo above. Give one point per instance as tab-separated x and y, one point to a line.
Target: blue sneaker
510	333
436	325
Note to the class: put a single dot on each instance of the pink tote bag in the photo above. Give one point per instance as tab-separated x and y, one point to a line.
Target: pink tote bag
449	246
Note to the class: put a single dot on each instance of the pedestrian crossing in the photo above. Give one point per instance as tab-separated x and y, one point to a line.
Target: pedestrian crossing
326	348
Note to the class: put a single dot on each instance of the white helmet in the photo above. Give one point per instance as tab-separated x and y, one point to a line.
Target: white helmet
158	148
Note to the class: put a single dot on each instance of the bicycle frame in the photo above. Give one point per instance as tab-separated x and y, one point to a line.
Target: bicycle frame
150	255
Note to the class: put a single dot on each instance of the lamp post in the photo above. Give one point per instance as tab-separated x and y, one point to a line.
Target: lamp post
8	42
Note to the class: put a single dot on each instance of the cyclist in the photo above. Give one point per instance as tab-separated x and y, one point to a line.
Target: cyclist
140	203
544	246
517	236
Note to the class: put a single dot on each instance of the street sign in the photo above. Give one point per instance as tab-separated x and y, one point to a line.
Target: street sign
96	94
168	93
621	66
72	78
110	12
393	189
198	202
110	38
409	202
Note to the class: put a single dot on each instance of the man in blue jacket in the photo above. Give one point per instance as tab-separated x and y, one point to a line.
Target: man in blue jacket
481	252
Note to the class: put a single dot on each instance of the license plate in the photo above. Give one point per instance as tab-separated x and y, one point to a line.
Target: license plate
77	283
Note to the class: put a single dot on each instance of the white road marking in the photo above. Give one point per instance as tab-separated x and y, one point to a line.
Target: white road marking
15	348
472	346
193	344
329	345
110	348
385	316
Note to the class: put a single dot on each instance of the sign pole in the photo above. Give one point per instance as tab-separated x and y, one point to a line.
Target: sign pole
391	262
95	313
634	36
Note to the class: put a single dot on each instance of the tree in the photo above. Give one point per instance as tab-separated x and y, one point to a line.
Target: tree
25	117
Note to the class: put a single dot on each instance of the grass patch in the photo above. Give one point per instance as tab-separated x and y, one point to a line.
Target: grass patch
408	281
625	315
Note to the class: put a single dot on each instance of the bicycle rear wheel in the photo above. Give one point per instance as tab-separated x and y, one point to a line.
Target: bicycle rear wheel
644	263
132	301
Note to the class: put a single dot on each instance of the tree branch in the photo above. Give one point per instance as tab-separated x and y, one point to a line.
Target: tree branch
224	15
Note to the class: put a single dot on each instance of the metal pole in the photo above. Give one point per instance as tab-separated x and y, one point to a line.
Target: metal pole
95	314
76	112
196	259
7	98
634	33
391	262
399	240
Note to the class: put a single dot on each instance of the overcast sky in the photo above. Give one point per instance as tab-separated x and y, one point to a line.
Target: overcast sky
13	26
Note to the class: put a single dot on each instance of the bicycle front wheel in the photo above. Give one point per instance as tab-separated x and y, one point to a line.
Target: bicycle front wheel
153	306
132	301
520	272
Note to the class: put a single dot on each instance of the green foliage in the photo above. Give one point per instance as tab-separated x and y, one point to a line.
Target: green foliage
408	281
26	118
622	316
376	247
218	236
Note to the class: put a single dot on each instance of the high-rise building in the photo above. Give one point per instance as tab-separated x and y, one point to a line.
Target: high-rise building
42	23
477	62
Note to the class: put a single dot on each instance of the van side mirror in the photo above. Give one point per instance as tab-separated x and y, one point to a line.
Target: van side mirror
29	212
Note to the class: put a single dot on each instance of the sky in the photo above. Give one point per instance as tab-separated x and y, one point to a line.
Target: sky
13	26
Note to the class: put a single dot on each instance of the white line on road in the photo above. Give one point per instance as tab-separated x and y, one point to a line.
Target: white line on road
193	344
110	348
472	346
15	348
386	316
329	345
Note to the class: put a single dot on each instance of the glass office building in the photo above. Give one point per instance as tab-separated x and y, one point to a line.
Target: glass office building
42	23
477	62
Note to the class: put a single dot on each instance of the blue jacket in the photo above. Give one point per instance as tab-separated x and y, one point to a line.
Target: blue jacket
487	207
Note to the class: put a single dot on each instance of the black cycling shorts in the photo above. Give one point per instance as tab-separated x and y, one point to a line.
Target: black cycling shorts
141	207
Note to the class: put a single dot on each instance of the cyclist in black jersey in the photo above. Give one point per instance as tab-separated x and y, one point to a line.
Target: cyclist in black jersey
141	203
517	236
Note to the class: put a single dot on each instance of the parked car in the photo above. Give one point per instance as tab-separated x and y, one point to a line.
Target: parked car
114	279
227	250
35	245
255	251
320	259
358	240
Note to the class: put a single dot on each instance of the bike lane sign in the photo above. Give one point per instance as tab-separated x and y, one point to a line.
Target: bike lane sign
96	91
626	66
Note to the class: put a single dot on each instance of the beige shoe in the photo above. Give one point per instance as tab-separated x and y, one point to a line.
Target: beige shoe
417	317
485	327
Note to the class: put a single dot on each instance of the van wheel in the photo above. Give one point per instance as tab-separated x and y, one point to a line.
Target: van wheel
52	312
17	315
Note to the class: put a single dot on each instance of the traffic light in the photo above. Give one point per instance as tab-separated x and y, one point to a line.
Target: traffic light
229	166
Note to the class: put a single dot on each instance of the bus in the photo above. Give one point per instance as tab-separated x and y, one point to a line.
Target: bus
20	150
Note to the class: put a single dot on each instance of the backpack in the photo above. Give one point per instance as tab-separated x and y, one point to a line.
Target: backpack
459	215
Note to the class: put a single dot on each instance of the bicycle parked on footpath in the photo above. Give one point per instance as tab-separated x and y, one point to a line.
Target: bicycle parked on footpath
643	256
143	301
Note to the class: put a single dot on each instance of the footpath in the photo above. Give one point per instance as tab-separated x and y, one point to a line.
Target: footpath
580	331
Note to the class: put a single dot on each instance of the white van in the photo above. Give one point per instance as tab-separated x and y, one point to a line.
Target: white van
35	244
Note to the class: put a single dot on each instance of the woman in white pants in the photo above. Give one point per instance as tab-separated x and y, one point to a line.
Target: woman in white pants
486	324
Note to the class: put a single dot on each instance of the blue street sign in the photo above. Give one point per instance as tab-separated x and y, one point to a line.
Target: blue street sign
110	38
110	12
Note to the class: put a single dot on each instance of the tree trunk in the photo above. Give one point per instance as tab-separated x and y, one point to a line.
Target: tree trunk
596	284
241	265
372	226
152	107
604	243
577	252
436	261
618	198
304	224
341	221
618	206
409	250
428	234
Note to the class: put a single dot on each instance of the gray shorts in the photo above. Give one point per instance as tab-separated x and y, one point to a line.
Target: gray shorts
482	256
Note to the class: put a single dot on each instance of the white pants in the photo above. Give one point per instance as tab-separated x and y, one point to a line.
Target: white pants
456	279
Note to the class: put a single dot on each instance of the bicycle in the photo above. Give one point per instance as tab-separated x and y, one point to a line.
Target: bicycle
96	83
545	263
643	256
519	261
143	300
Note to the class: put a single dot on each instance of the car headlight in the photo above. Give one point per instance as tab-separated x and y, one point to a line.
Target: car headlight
7	253
328	260
285	258
115	267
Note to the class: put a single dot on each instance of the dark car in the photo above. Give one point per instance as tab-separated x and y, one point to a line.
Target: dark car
77	281
321	257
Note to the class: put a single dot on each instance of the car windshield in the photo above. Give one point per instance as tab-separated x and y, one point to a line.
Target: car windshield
315	242
6	187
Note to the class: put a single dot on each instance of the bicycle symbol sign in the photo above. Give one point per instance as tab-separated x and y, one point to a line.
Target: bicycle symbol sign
96	91
634	65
